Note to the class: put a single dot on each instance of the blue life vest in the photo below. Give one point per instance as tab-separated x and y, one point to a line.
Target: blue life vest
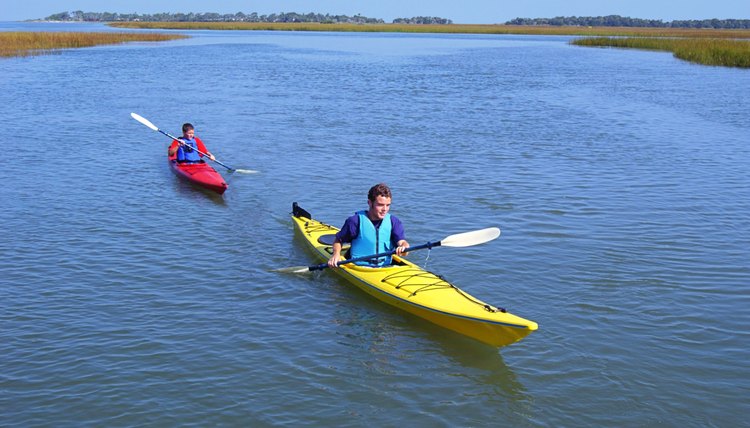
186	152
372	240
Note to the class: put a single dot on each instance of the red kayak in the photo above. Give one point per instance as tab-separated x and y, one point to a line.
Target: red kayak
201	174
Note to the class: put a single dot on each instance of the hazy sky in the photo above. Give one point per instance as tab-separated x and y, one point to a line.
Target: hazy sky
460	11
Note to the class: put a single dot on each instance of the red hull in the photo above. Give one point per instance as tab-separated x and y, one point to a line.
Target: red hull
201	174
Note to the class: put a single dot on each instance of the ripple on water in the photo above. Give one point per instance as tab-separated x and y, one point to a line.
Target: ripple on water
131	298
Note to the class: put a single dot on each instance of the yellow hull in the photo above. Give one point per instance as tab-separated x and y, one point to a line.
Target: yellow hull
422	293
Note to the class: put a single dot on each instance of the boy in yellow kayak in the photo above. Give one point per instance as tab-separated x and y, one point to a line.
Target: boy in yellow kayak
371	231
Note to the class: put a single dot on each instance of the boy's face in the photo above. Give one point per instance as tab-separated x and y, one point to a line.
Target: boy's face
378	208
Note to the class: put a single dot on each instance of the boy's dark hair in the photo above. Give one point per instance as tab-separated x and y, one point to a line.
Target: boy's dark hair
187	127
380	189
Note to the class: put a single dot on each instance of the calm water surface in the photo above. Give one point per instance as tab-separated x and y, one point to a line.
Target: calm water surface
619	179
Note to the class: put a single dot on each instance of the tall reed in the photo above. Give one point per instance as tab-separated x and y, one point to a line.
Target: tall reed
706	51
25	43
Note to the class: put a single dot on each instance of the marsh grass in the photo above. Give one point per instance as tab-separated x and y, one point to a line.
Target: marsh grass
706	51
23	43
704	46
443	28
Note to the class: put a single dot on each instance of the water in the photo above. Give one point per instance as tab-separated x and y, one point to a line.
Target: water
619	179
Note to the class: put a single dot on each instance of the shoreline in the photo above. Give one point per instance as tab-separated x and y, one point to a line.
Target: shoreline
443	29
716	47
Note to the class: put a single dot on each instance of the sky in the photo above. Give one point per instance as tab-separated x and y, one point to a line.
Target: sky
459	11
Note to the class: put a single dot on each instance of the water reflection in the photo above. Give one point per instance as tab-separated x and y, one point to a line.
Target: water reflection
190	190
388	338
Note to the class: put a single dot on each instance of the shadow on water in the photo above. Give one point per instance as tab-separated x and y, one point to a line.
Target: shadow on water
386	330
397	345
469	353
192	190
397	356
380	330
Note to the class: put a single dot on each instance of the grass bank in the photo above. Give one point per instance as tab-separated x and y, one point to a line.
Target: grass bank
703	46
706	51
444	28
23	43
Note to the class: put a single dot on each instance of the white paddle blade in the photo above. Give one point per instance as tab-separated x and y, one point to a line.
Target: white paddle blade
293	269
144	121
467	239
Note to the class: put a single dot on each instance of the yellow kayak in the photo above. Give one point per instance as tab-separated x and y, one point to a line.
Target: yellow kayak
419	292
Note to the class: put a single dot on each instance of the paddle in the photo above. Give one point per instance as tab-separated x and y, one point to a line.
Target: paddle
466	239
148	123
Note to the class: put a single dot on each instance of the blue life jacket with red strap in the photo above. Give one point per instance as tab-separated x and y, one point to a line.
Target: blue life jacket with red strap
372	240
186	152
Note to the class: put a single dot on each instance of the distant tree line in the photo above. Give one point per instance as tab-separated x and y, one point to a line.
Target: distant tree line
622	21
210	17
422	20
585	21
235	17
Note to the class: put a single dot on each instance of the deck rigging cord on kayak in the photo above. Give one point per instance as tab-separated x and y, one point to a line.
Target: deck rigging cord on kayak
406	286
432	281
313	228
399	279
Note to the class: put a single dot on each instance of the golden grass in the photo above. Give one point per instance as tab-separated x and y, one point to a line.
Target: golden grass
703	46
23	43
700	45
706	51
443	28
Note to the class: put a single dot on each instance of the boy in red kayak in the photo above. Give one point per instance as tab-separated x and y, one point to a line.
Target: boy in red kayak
188	146
372	231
